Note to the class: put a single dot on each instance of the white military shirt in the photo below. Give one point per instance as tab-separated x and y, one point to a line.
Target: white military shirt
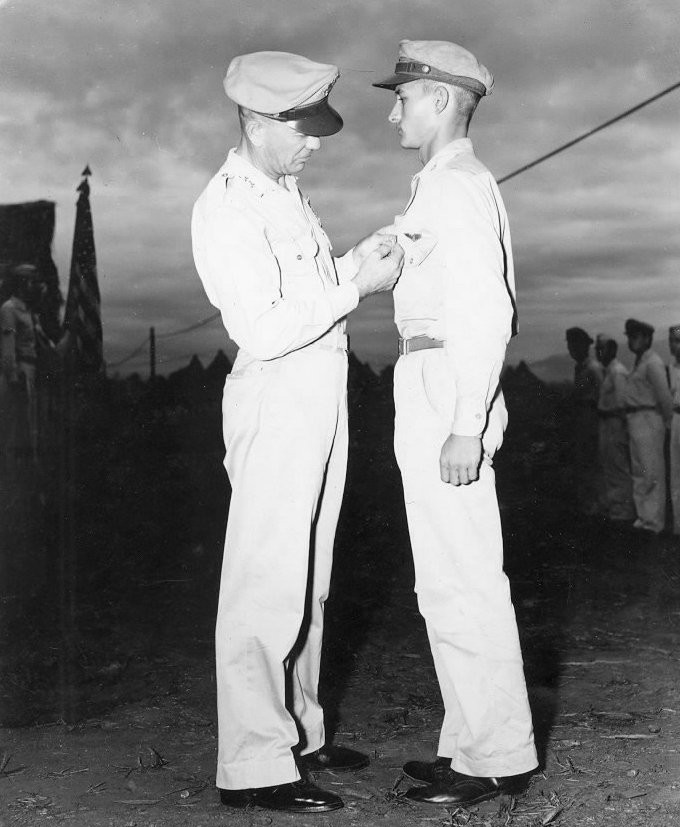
613	388
463	291
266	264
647	384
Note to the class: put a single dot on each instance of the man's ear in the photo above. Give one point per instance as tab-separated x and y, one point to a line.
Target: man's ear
441	98
254	131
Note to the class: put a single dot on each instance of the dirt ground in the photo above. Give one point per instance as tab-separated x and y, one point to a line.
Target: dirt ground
599	617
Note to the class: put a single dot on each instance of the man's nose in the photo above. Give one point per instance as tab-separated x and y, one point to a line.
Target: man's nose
395	115
313	142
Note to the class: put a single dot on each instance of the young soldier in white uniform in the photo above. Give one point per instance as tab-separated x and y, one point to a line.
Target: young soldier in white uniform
454	308
266	264
614	450
674	375
649	408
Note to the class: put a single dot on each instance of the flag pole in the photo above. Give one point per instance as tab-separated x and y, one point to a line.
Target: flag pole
82	323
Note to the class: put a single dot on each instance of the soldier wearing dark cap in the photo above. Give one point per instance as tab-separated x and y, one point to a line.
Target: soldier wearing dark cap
454	309
588	375
649	408
266	263
674	376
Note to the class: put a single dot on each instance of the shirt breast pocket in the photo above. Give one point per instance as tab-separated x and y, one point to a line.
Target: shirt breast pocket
295	256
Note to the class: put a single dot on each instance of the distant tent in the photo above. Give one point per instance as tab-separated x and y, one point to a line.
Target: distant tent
26	232
217	370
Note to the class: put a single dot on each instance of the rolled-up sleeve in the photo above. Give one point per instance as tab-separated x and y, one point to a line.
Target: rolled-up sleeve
478	304
242	278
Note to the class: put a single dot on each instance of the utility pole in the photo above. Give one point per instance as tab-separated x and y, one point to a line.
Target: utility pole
152	353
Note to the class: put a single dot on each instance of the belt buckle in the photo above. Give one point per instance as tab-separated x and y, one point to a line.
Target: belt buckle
402	346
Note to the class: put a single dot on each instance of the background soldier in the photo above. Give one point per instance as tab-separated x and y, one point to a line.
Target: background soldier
649	407
614	450
19	332
588	373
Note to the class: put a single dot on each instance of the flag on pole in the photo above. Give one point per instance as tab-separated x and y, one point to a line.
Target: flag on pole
83	304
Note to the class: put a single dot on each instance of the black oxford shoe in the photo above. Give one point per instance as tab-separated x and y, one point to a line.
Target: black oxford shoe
236	798
298	797
429	771
340	759
464	790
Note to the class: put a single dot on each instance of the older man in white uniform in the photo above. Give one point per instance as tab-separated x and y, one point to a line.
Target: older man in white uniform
266	264
649	407
454	308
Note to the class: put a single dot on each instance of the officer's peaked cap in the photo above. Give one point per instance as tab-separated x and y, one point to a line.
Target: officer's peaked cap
285	87
578	334
634	326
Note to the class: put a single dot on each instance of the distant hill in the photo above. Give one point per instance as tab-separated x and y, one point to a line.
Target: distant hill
556	368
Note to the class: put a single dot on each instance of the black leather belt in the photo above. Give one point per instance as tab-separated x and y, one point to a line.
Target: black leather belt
418	343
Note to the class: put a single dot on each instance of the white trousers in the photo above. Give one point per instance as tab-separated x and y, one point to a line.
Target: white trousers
463	593
675	471
285	432
615	462
647	464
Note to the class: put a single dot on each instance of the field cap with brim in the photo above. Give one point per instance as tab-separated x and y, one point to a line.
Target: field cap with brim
674	330
603	338
285	87
441	61
578	334
633	326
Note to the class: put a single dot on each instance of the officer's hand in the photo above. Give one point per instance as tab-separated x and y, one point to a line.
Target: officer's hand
460	459
381	268
367	245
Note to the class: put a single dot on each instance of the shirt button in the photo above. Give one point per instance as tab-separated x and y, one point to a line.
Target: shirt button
299	257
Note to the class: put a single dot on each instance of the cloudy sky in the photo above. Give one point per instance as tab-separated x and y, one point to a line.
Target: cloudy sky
134	88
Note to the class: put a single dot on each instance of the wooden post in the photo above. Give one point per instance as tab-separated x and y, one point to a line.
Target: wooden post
152	353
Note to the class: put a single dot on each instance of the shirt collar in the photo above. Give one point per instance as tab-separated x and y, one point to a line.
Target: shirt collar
238	167
455	147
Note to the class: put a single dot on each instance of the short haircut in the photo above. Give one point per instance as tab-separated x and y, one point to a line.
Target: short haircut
246	116
466	100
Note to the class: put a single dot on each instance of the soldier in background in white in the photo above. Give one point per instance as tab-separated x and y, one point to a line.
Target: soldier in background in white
19	331
649	407
266	264
614	450
588	373
454	308
674	376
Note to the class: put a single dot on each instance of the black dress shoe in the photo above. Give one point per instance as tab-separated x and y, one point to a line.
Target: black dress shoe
236	798
340	759
464	790
297	797
429	771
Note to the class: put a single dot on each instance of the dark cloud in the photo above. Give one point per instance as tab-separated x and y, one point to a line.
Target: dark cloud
135	89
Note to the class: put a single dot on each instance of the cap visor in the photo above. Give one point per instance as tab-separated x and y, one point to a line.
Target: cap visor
396	80
324	121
